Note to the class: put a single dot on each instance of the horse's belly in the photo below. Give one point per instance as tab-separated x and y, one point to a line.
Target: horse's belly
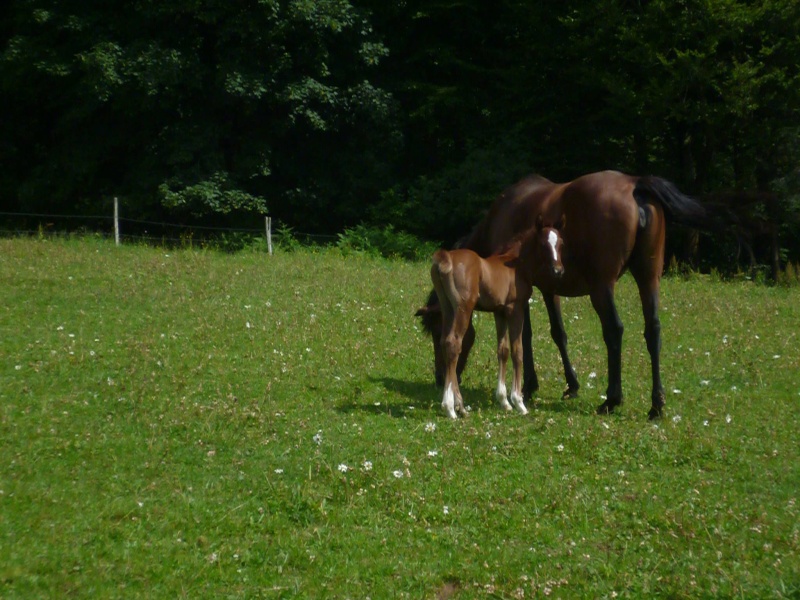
571	284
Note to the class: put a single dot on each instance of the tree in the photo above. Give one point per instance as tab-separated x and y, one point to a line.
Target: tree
194	107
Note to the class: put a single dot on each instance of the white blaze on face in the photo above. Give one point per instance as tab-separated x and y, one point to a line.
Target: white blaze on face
552	239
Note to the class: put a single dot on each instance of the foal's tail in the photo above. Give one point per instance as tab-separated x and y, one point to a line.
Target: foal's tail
678	207
442	277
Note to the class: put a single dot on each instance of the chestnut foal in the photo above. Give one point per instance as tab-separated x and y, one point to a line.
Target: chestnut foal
501	284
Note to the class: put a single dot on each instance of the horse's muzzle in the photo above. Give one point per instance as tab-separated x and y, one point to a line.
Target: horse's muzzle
558	272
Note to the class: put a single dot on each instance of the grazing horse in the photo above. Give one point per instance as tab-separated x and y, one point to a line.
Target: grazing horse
614	222
501	284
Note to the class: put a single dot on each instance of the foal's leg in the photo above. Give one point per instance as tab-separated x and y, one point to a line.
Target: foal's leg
559	335
603	303
466	346
452	401
531	384
515	327
439	365
648	292
501	325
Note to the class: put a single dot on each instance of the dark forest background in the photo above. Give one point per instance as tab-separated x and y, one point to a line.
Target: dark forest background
411	114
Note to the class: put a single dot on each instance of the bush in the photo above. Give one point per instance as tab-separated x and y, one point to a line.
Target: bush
386	242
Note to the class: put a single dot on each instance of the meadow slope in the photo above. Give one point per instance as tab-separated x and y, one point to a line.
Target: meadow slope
185	423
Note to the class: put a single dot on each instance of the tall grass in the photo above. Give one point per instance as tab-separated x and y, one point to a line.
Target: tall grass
195	424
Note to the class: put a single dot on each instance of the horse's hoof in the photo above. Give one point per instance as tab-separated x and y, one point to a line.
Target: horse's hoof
527	393
656	412
570	393
607	407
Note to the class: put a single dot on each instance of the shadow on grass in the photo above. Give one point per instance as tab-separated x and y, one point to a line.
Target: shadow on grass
420	396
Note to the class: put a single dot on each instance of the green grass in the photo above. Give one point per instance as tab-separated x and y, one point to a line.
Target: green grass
172	424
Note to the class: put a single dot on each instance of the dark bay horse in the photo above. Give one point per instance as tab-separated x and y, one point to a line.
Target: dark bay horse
613	223
501	284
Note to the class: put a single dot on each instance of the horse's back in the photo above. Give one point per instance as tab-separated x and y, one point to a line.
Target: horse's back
601	224
514	211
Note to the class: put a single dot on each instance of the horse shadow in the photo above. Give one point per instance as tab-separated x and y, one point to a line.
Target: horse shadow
420	398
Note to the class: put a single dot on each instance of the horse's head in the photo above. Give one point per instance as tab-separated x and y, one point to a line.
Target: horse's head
542	250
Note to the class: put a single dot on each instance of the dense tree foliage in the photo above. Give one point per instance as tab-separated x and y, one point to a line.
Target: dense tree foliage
413	114
199	107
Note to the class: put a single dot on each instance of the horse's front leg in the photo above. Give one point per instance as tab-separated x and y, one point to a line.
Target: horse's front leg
531	381
559	335
501	326
603	303
515	328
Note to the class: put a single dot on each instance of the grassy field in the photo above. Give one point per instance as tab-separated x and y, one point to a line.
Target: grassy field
194	424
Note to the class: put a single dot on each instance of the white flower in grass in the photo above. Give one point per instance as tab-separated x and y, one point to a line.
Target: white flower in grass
676	419
676	391
560	447
343	468
704	382
592	375
430	427
367	465
279	471
317	438
18	367
398	474
433	453
446	510
728	418
705	423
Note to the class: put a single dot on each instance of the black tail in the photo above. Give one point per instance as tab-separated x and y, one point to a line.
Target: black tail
680	208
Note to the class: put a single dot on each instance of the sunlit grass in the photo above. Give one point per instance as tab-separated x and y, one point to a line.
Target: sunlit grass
188	423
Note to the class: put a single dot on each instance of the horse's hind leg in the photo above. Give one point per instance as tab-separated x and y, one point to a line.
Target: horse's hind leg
646	266
452	402
466	347
515	327
652	335
603	303
559	335
531	381
440	363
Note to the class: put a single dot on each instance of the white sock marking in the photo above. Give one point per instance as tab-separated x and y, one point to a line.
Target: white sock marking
449	402
501	394
517	400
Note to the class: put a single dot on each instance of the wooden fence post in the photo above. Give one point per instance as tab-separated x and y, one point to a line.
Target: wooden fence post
269	234
116	220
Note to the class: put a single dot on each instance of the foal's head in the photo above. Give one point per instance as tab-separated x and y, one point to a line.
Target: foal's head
541	250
